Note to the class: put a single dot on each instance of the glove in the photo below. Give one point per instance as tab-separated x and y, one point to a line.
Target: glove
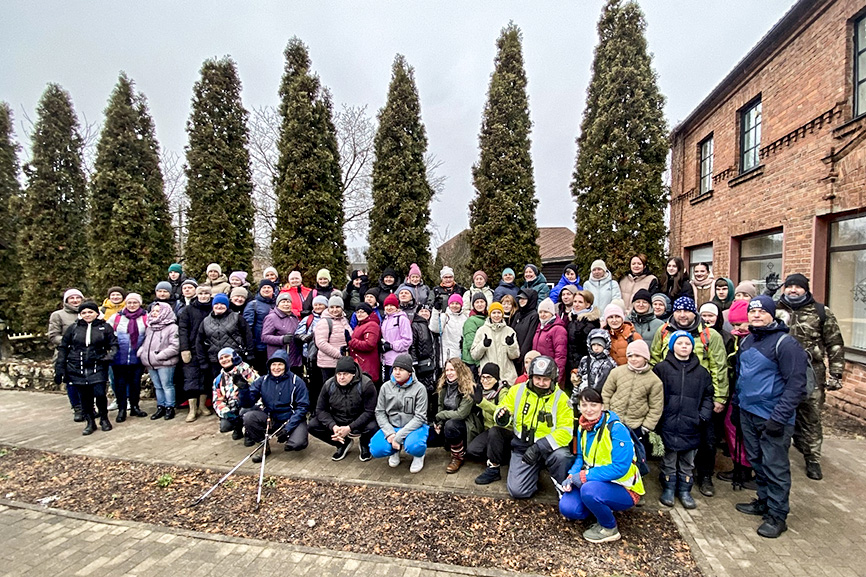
287	339
509	340
58	378
386	346
487	341
186	356
344	350
307	338
347	335
644	431
567	484
502	417
530	457
282	436
735	416
834	383
774	429
240	382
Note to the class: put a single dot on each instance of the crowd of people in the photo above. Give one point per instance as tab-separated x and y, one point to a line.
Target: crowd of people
588	381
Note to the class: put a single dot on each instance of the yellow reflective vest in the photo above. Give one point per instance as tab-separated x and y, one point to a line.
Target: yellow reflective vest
600	453
534	418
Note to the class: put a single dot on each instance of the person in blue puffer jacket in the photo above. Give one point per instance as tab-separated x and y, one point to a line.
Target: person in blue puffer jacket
130	326
771	366
569	276
255	312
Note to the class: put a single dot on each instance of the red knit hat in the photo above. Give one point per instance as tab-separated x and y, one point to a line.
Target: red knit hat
392	299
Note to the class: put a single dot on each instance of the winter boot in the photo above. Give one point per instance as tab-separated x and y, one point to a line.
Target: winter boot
772	527
684	492
169	413
489	475
668	487
705	486
136	412
257	458
104	423
813	471
457	457
756	507
77	415
91	425
160	412
121	415
203	411
193	410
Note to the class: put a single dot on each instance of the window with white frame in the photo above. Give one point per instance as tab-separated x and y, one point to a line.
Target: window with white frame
761	258
706	182
750	135
846	289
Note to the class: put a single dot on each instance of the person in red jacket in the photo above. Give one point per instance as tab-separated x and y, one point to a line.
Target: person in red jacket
551	338
364	344
297	291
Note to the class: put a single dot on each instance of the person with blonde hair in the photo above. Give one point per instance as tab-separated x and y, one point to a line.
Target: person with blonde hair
456	423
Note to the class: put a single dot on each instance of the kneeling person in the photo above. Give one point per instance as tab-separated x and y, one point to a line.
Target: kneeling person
284	399
346	409
234	375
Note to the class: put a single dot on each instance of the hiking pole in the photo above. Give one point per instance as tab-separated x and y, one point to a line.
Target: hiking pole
264	456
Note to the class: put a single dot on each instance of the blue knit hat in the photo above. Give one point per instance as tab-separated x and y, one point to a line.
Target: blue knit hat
763	302
508	271
679	334
221	299
685	304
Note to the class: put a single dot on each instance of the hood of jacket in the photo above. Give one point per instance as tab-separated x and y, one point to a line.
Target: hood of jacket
282	356
591	315
642	319
596	334
398	280
537	281
531	296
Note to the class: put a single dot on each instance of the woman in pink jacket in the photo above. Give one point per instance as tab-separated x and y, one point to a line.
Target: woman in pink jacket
396	334
332	334
160	353
551	337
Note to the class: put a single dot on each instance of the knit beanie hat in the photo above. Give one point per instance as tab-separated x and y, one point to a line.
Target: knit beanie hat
797	279
284	296
571	267
746	287
320	300
163	286
270	283
175	267
613	310
678	334
638	347
365	307
117	289
495	307
455	298
189	281
323	273
642	295
738	313
335	301
479	297
598	263
508	270
570	288
239	291
214	266
413	269
404	361
226	351
72	292
482	273
663	298
220	299
763	302
134	297
239	274
685	304
547	305
88	305
270	269
345	365
710	307
531	267
446	271
491	369
391	299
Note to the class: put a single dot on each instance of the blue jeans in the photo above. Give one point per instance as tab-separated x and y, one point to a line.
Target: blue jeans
72	394
163	385
415	443
599	498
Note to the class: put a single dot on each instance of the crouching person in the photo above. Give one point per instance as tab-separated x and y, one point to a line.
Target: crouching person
537	418
234	375
401	412
604	477
284	399
346	409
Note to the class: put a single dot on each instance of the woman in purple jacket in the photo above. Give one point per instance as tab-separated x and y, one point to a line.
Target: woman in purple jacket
396	334
278	332
160	353
551	338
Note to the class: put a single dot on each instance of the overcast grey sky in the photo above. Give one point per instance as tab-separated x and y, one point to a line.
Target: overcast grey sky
161	45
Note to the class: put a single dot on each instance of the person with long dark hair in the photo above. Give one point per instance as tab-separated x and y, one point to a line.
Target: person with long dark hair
676	281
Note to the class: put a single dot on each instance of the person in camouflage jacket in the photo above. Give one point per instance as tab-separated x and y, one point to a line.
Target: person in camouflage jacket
816	329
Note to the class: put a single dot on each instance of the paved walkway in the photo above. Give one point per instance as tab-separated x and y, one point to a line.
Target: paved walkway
827	534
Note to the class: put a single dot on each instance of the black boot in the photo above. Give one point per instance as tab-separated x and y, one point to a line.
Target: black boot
772	527
755	507
160	412
238	432
91	425
169	413
813	471
257	458
77	415
121	415
136	412
684	492
104	423
668	487
705	486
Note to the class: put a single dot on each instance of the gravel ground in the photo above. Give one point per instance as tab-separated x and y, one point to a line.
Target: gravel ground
521	536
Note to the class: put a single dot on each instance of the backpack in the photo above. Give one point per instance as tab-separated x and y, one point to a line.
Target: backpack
704	335
811	378
312	349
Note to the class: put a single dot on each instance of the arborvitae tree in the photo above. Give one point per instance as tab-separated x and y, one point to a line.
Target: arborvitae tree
401	192
309	229
52	240
10	196
622	149
132	241
219	179
502	228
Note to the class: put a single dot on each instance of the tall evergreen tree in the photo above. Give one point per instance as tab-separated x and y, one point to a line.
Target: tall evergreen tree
219	179
52	241
128	203
398	233
622	149
10	197
502	228
309	229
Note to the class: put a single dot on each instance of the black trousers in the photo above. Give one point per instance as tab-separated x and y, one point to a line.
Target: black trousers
260	361
705	462
255	423
91	393
323	433
494	445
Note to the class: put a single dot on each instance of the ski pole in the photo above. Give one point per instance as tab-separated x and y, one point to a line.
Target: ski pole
264	456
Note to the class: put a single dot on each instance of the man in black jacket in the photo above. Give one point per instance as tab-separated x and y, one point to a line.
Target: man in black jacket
346	409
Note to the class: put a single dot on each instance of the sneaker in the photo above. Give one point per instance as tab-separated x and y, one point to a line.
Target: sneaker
394	460
599	534
489	475
772	527
365	455
755	507
342	450
417	464
813	471
113	405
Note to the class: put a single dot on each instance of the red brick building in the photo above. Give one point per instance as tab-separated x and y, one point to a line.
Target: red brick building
768	173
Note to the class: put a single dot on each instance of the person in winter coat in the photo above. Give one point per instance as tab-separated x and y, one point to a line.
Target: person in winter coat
187	294
160	353
495	342
389	282
164	293
58	323
602	285
493	391
448	327
278	332
622	332
569	277
455	422
175	279
83	355
114	302
346	410
566	302
662	306
479	285
688	402
638	278
703	283
226	404
271	274
306	334
525	323
595	367
723	294
642	315
509	308
583	319
676	282
130	327
423	349
332	336
634	392
298	292
533	279
506	286
353	295
370	300
477	318
284	399
238	299
447	287
364	344
255	313
396	335
604	477
195	381
420	292
406	300
401	412
712	317
238	279
551	338
323	288
216	280
527	361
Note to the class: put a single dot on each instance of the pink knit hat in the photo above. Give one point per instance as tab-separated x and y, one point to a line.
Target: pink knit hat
738	313
413	269
455	298
613	310
638	347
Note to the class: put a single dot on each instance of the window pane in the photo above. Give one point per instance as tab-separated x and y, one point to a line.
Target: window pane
848	232
861	34
700	254
757	271
847	295
861	98
761	245
861	64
